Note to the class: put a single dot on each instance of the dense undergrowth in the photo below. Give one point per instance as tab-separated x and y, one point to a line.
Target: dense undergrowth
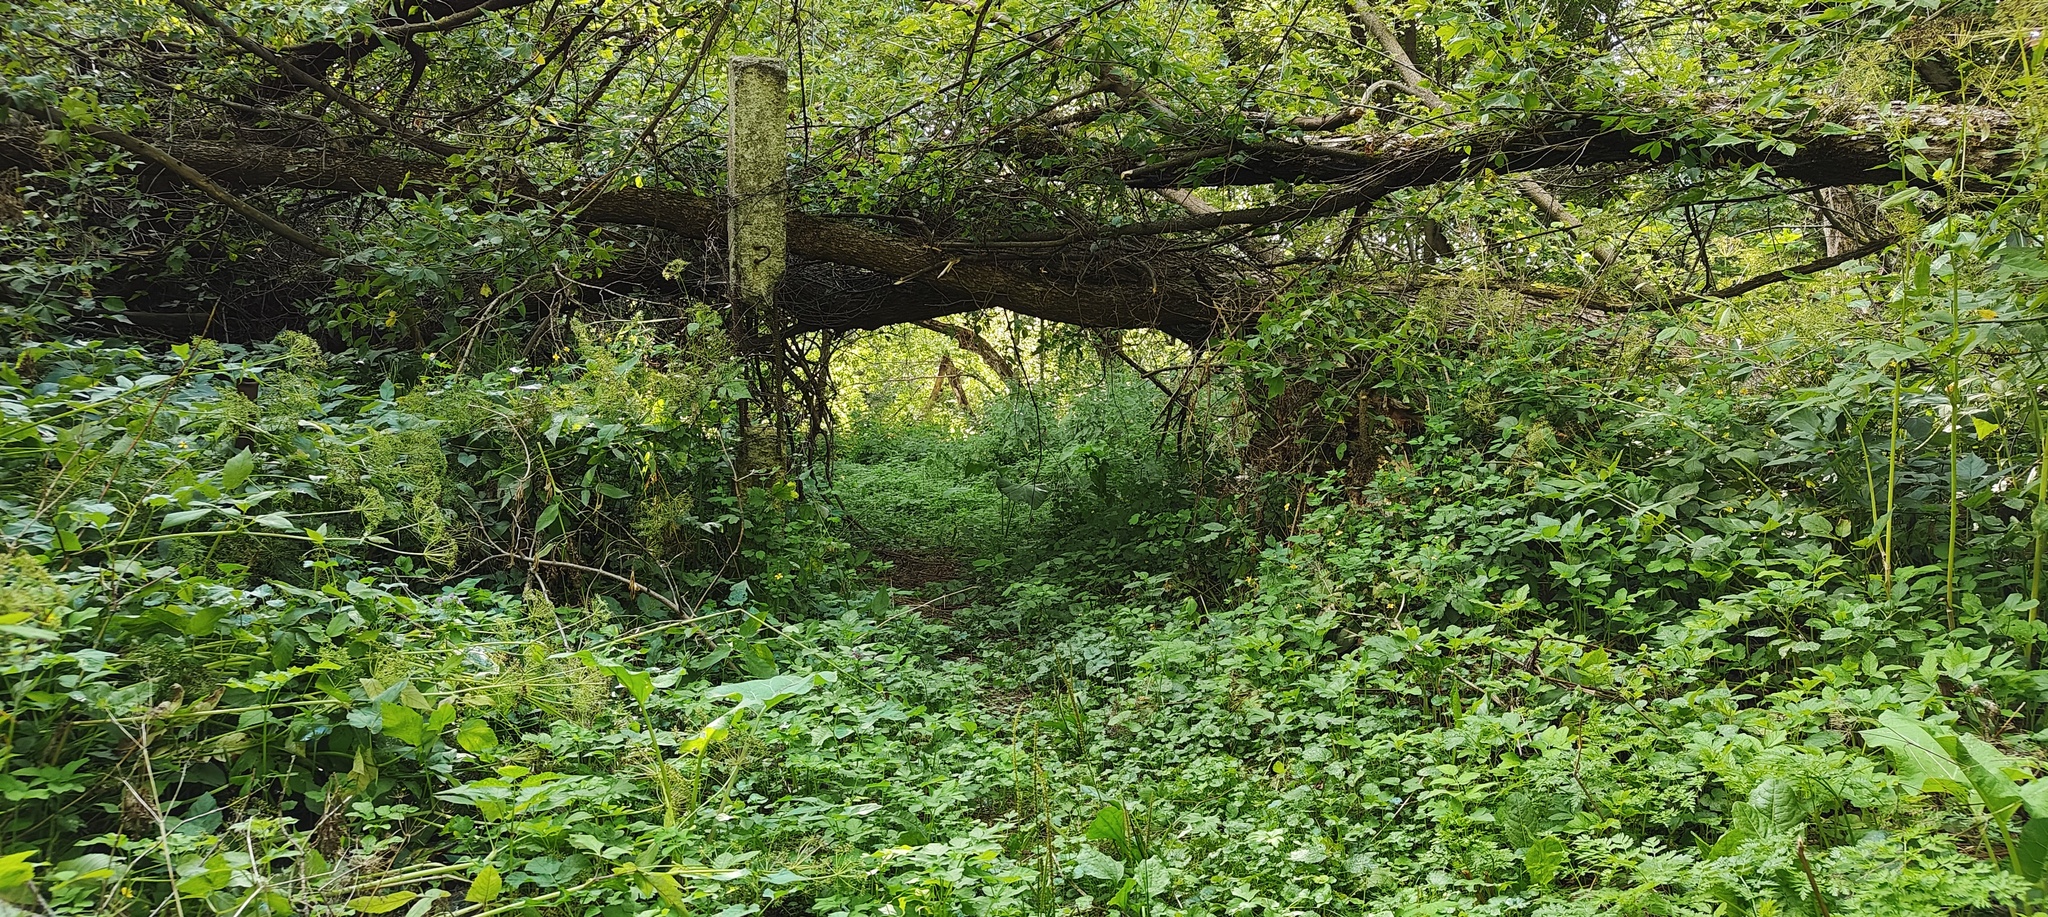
1631	497
1630	623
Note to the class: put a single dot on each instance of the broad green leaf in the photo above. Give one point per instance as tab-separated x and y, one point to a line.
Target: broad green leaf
409	694
237	470
1779	802
712	733
763	694
315	866
1123	895
16	869
637	683
669	890
2030	850
186	515
381	904
2034	795
1922	761
425	903
1985	767
711	873
1111	825
755	658
200	621
403	723
1543	859
205	882
1153	878
486	886
1737	835
1090	863
1031	495
1883	355
476	736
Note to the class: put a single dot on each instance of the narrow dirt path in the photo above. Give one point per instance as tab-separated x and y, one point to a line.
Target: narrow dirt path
933	583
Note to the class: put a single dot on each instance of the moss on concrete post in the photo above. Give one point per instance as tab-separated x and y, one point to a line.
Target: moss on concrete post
757	157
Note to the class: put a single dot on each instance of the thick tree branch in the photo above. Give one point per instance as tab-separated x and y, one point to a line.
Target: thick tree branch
1749	285
1783	274
1107	343
455	18
1366	171
1825	150
969	340
931	281
1284	214
1412	78
168	163
894	278
633	587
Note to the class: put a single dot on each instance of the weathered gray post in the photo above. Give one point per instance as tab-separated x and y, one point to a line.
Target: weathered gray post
757	246
756	158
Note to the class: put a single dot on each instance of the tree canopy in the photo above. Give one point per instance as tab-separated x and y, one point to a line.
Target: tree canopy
434	168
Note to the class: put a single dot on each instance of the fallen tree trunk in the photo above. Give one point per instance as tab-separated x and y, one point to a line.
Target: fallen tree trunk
1828	150
867	277
899	279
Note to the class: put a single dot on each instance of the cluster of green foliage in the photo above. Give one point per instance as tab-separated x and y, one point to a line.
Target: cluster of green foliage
244	655
492	586
1638	619
1640	622
573	100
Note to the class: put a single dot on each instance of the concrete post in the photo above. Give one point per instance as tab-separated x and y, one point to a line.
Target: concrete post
757	164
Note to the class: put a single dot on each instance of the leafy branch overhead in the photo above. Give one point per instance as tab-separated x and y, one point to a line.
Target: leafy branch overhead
1012	183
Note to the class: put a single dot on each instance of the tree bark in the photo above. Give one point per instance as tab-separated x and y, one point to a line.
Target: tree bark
1846	148
1848	220
967	339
